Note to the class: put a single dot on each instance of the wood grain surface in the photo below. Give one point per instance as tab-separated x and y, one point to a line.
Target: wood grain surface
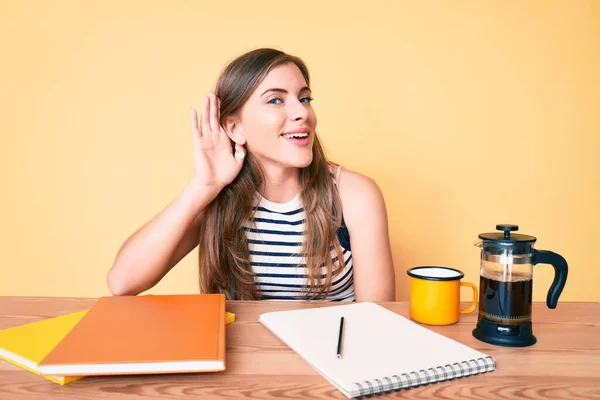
563	364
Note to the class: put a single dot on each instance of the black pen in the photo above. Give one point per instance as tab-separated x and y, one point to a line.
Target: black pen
339	346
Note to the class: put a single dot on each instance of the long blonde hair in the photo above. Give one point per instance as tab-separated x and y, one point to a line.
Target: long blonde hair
224	260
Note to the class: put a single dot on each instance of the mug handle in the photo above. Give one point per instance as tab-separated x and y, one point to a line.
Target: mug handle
475	298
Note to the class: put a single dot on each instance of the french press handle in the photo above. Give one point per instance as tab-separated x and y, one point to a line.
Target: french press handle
561	269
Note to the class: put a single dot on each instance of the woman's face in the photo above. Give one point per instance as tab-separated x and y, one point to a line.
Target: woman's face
278	121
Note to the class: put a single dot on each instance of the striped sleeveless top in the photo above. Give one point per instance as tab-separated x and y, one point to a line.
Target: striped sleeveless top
275	237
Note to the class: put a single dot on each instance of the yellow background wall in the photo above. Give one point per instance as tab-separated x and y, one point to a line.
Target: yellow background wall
467	114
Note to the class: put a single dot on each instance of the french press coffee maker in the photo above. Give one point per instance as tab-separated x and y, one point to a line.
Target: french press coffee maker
505	289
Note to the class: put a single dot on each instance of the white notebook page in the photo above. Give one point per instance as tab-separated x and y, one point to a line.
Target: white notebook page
378	343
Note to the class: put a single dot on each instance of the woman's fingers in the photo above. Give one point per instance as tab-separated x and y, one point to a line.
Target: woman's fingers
205	128
205	116
219	111
194	122
214	113
196	134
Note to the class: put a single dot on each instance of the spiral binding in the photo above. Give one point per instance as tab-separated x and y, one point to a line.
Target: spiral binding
425	377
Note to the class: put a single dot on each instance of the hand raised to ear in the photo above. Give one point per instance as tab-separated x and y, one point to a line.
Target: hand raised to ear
215	163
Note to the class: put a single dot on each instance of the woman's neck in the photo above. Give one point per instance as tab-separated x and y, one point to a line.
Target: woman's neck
280	184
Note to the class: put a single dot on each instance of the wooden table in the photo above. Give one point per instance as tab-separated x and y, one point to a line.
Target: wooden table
564	364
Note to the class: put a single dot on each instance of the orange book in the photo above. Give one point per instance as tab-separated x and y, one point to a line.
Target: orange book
144	335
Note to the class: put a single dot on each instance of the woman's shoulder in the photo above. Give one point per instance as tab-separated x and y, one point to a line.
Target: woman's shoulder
359	193
352	182
363	205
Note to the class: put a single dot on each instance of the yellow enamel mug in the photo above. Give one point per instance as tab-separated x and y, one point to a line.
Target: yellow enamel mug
435	295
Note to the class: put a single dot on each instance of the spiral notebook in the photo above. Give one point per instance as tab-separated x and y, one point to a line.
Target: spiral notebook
381	352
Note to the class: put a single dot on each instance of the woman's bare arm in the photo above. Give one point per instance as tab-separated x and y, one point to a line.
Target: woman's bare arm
154	249
150	252
366	218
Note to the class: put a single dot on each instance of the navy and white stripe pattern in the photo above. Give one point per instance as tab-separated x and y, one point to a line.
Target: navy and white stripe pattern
275	244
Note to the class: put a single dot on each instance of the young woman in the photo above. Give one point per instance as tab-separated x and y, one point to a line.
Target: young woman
273	219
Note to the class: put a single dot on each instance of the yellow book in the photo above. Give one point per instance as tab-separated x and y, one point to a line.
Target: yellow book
229	317
26	345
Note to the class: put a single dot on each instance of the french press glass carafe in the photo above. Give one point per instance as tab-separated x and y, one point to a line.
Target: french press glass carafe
505	289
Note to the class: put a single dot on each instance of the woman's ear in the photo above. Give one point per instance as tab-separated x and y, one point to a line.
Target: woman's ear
234	130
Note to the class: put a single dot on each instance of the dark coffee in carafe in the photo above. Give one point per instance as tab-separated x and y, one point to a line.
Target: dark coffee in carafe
505	288
505	302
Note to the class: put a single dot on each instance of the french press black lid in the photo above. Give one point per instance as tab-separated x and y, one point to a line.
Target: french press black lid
498	242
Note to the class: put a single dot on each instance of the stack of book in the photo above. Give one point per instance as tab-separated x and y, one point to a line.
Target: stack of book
121	335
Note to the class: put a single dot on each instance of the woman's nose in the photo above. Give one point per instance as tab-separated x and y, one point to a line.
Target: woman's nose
298	111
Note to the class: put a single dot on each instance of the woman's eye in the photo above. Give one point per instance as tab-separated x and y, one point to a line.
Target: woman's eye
275	100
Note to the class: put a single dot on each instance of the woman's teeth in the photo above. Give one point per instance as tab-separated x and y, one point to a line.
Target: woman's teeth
295	135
